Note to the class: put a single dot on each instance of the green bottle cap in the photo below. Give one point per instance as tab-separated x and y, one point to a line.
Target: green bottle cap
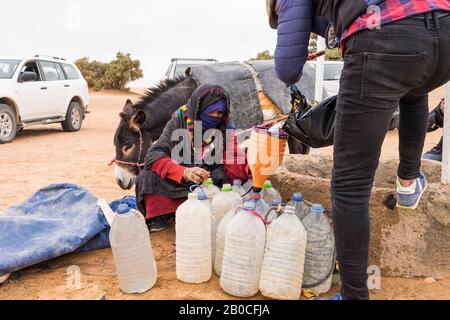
227	188
208	182
267	185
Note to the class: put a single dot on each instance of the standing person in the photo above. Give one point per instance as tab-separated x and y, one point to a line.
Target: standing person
397	64
436	121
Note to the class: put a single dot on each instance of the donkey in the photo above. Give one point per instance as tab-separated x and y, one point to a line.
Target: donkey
141	124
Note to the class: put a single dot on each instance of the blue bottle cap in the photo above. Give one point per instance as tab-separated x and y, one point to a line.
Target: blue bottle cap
317	209
123	208
276	202
202	196
237	182
298	197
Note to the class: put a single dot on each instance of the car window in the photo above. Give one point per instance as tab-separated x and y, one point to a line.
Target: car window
32	67
181	69
50	72
7	68
60	71
70	71
333	71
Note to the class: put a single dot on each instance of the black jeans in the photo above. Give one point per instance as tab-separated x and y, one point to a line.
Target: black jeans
397	65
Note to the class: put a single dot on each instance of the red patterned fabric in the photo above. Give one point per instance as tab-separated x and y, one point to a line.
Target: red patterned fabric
393	10
235	166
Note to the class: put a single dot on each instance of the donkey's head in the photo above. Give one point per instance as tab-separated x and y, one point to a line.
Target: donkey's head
131	143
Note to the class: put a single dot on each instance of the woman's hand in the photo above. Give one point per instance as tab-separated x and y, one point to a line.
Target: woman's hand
196	175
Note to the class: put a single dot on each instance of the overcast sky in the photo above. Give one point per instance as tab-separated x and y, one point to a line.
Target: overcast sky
152	31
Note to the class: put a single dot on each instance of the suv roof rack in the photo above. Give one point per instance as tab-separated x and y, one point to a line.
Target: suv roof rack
193	59
48	56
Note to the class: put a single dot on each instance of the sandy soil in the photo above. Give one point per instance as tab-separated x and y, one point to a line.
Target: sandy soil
43	155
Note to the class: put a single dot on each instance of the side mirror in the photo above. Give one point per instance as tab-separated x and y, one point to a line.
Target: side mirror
28	76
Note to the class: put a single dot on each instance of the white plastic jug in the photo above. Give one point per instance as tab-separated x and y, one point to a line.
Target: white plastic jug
132	251
220	240
274	211
301	208
284	258
247	187
193	240
319	251
243	253
225	201
269	193
214	224
209	188
237	188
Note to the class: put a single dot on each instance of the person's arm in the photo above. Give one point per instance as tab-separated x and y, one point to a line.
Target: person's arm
294	30
166	168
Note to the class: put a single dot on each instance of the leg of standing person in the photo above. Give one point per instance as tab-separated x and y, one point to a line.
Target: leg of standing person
412	133
381	68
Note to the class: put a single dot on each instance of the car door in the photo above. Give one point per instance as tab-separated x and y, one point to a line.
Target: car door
56	88
32	95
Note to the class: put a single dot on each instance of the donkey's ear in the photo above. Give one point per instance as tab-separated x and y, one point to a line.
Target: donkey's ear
128	105
138	120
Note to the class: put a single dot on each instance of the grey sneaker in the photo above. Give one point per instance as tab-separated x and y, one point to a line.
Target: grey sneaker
409	197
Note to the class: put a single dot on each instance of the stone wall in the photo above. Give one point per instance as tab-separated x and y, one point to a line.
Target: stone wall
403	243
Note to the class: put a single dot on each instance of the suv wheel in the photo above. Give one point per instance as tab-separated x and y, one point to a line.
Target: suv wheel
8	124
74	118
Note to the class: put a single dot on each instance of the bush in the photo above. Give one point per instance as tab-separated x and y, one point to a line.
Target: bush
113	75
264	55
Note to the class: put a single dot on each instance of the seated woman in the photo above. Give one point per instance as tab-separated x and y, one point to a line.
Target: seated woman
165	183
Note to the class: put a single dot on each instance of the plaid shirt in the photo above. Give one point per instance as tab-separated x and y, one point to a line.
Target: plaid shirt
393	10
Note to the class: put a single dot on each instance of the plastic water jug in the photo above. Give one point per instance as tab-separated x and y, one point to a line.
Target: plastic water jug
243	254
274	211
209	188
284	258
301	208
237	188
320	247
193	240
225	201
247	187
269	193
214	225
132	251
220	240
261	205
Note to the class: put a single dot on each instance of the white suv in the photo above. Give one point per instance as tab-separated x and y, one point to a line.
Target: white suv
40	90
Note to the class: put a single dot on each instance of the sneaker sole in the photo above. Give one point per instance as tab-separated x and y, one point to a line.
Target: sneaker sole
157	230
415	205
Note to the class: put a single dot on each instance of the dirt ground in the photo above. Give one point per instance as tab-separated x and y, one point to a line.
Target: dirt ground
43	155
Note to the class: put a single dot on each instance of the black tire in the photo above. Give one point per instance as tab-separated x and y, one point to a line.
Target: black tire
8	124
74	118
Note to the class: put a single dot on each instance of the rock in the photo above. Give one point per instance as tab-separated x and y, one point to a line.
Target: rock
4	278
429	280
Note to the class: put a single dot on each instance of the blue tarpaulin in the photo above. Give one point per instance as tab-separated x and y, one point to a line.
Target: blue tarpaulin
56	220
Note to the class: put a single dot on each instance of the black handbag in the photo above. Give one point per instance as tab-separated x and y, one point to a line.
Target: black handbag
313	126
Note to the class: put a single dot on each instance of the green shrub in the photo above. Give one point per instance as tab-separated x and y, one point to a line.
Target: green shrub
116	74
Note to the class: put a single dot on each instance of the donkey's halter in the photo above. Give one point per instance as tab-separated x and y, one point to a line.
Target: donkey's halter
134	164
